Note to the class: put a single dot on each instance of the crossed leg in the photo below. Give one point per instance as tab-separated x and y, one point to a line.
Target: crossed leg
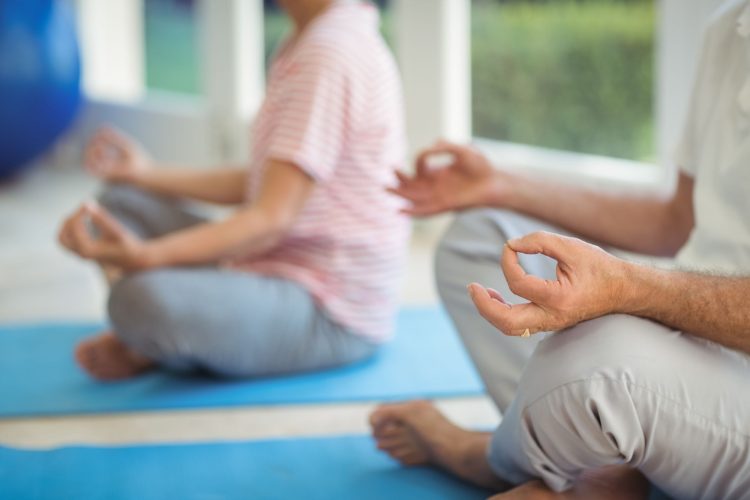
416	433
105	356
592	411
596	405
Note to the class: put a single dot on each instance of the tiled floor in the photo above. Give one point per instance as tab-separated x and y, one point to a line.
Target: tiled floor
38	281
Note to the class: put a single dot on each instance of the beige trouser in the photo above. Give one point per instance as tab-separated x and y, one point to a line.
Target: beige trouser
615	390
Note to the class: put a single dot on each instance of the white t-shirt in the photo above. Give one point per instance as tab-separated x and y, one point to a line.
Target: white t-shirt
715	146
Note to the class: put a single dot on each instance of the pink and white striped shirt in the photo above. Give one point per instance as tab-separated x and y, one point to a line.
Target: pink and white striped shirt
333	107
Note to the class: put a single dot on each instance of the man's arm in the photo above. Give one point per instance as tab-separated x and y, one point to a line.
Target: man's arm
640	224
592	283
716	308
636	223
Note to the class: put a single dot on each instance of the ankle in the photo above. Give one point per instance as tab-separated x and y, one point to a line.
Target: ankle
472	463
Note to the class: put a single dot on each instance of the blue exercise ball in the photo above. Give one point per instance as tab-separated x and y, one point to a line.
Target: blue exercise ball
40	78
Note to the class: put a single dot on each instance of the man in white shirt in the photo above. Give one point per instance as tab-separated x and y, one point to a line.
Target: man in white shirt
648	371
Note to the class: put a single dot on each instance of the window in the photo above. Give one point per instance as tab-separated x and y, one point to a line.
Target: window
276	25
171	43
565	74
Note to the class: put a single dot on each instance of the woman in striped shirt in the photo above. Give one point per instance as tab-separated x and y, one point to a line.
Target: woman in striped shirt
304	274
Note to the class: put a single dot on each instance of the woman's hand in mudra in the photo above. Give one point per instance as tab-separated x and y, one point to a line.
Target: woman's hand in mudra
114	157
113	245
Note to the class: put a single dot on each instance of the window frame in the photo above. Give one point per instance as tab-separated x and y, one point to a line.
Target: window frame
432	45
212	127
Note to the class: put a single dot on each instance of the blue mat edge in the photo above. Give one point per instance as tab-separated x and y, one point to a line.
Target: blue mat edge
147	408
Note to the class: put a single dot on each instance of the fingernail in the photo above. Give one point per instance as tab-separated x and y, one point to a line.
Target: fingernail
470	288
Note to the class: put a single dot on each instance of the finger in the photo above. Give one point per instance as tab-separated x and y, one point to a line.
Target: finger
423	209
542	242
413	193
525	285
117	139
79	233
390	442
405	193
106	223
402	177
529	316
94	157
510	319
485	302
385	427
496	295
439	148
63	235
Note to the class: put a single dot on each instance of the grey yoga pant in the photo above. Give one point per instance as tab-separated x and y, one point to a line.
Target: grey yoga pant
227	322
611	391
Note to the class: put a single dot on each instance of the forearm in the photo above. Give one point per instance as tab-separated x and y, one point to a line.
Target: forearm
638	224
221	186
250	232
711	307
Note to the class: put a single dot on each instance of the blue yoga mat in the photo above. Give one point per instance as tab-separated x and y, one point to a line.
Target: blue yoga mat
319	468
38	375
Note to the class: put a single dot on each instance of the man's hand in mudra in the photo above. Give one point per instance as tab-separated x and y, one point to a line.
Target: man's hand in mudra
590	283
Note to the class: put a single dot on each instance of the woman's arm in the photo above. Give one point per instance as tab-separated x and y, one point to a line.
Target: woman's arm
115	157
252	230
223	186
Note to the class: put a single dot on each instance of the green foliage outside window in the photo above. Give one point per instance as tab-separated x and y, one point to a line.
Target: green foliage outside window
574	75
565	74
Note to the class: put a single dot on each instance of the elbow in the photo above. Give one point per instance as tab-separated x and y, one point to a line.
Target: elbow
673	232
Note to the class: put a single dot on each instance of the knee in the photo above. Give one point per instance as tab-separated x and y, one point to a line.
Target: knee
616	348
141	310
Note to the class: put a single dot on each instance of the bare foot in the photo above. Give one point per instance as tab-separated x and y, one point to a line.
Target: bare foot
612	483
105	357
416	433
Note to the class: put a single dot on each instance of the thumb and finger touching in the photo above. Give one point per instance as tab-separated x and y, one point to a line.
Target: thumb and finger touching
104	221
516	319
510	319
522	284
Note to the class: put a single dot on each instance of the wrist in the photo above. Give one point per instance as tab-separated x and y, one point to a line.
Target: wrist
136	177
636	290
150	256
502	190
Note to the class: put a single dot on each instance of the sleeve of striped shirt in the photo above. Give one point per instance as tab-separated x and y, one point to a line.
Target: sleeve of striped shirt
311	125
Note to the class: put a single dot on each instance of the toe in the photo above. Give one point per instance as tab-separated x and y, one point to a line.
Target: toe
388	430
391	444
407	455
397	412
